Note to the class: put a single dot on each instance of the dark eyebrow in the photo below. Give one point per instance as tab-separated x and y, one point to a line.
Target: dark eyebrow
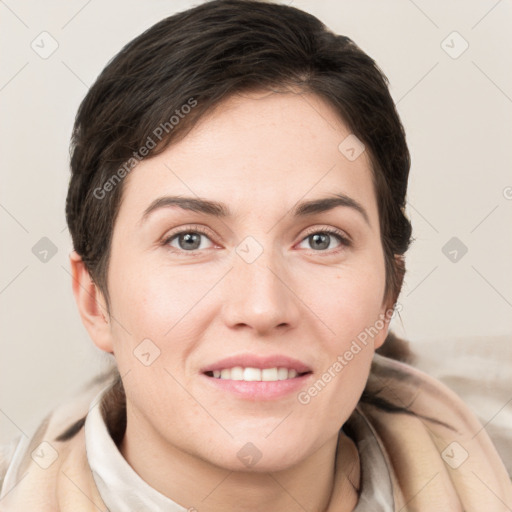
188	203
220	210
328	203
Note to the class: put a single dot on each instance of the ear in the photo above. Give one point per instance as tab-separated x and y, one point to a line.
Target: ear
390	303
91	304
382	324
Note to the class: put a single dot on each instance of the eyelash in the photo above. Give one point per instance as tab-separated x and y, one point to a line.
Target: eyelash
345	242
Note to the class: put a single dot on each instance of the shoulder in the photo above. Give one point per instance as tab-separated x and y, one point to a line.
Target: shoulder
433	440
56	442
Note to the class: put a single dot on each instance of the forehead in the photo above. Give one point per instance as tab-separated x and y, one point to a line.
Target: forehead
258	151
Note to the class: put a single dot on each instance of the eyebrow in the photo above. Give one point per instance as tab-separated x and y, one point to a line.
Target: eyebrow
217	209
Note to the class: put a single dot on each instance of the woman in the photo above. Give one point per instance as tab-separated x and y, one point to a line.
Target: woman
237	211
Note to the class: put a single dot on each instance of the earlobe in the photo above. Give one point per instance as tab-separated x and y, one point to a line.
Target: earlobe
91	304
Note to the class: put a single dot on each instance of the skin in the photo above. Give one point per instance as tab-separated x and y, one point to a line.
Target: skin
259	153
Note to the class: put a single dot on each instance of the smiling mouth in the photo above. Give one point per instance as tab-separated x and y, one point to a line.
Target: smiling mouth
249	374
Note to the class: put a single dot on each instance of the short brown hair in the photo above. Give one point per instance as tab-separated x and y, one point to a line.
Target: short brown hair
204	55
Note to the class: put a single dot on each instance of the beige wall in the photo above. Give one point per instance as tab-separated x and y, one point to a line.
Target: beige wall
457	113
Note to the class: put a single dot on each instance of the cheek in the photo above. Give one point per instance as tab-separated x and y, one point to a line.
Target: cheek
149	333
347	301
351	305
153	300
350	316
161	312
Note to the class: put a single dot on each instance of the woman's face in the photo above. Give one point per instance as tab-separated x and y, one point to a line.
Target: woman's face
273	282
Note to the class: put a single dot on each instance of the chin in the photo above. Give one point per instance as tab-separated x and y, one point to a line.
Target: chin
258	457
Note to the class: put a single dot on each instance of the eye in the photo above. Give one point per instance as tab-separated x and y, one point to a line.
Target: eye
190	239
321	240
187	240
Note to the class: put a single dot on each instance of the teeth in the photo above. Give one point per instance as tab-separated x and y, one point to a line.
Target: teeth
255	374
237	373
269	374
252	374
282	373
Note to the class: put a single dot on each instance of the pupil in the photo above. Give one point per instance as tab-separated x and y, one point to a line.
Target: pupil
192	240
322	239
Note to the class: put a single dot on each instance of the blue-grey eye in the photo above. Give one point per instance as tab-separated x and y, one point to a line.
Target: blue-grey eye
187	240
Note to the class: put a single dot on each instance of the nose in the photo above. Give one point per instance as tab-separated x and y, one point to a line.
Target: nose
259	296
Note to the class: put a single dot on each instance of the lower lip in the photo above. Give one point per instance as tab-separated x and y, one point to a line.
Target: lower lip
259	390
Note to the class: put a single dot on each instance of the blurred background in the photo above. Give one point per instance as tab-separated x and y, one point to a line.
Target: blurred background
449	70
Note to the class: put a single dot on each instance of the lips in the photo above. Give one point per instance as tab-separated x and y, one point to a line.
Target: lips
252	377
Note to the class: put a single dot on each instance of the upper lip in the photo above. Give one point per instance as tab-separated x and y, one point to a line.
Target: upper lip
254	361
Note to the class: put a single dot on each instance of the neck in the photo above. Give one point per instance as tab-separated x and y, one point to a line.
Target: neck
323	481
